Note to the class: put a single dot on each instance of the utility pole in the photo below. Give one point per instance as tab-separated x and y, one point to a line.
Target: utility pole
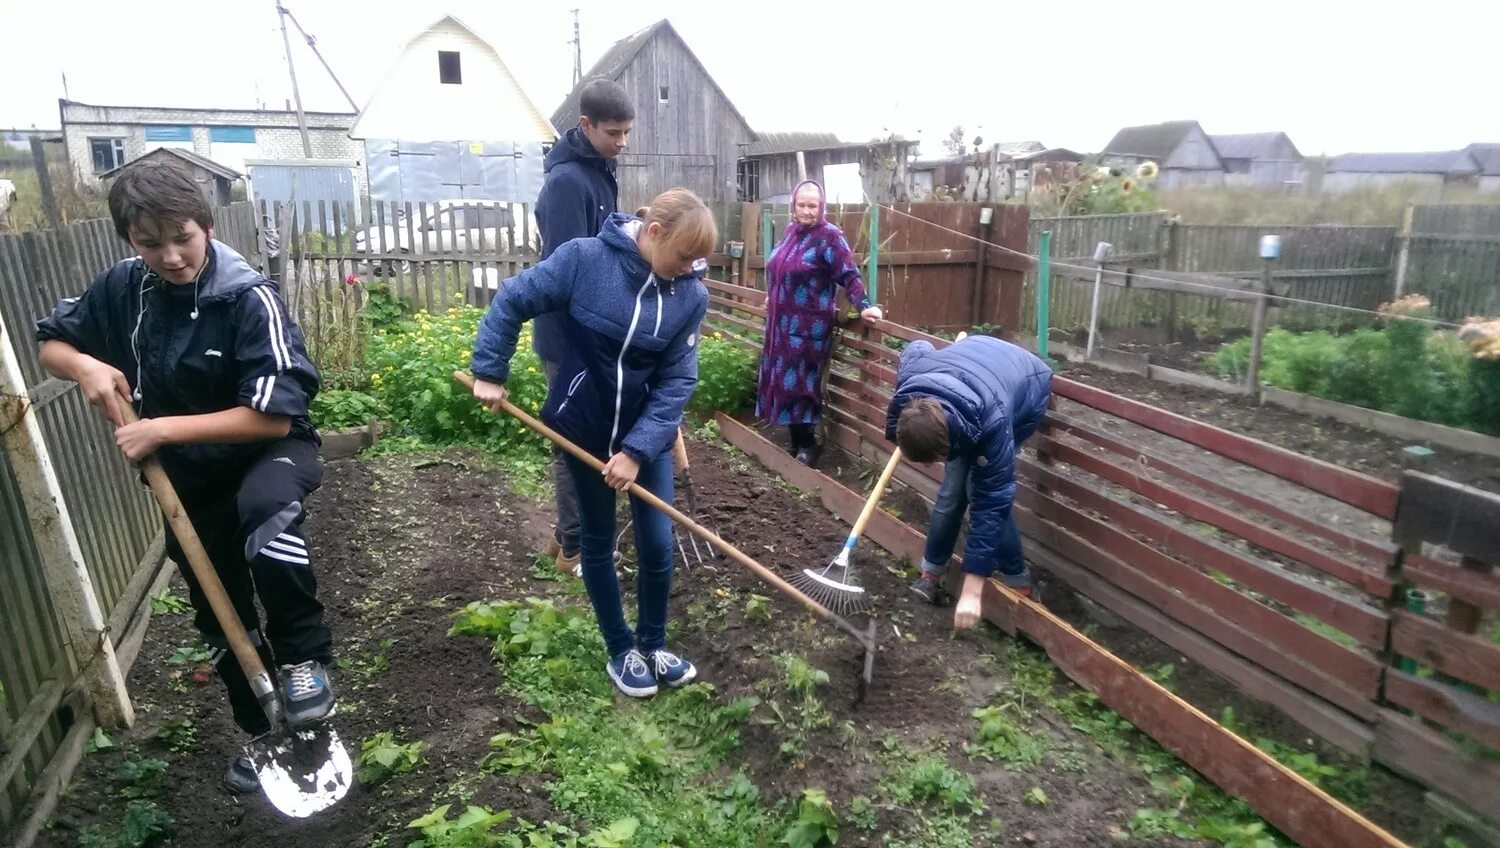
286	42
577	51
312	44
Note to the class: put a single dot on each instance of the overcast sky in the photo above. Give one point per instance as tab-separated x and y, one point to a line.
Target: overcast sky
1336	76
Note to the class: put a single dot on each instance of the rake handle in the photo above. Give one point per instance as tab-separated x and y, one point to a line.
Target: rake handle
203	570
869	508
697	530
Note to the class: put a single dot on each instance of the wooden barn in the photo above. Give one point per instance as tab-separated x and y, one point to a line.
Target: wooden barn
1263	160
1181	150
687	131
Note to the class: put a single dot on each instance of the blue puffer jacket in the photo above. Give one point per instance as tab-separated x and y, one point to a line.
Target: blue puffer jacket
632	355
578	196
996	395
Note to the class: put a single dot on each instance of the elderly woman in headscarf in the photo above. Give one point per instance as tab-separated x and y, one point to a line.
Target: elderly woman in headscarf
803	276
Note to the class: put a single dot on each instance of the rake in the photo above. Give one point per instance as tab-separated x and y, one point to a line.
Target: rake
833	585
680	457
866	638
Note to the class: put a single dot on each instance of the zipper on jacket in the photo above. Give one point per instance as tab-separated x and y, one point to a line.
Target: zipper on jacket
572	387
635	320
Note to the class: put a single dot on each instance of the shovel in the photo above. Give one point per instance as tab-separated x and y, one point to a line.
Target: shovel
301	772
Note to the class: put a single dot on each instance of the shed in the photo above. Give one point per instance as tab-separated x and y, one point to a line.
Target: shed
1182	151
214	180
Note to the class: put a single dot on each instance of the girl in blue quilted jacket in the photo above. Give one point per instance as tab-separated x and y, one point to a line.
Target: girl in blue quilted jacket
970	405
633	302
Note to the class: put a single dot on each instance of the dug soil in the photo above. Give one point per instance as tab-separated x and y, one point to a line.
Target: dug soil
400	543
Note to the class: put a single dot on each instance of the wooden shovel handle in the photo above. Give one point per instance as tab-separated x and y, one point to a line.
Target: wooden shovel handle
697	530
197	557
869	509
679	452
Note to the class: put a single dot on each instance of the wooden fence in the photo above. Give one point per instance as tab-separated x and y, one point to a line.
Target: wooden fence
116	524
1344	266
1263	589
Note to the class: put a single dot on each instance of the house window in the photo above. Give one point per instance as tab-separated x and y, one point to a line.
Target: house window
661	94
450	72
108	153
748	179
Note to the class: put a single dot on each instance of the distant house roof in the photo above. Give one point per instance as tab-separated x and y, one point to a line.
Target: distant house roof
1155	141
773	143
1488	157
614	62
1443	162
1050	154
1018	149
782	143
1250	145
187	156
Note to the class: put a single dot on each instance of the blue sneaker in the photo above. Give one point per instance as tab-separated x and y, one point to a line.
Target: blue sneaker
307	694
631	674
672	669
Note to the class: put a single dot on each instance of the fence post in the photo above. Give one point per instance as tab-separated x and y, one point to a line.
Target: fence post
872	266
1403	255
1270	250
1043	293
1101	253
66	573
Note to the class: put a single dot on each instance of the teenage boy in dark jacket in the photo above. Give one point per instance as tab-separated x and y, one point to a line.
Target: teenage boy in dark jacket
970	405
578	196
205	348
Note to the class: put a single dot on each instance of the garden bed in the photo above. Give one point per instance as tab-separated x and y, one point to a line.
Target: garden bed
404	542
1332	441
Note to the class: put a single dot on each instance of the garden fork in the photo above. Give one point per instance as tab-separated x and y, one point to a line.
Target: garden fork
680	458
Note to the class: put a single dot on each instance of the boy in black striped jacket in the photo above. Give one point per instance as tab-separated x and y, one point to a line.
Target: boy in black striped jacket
205	348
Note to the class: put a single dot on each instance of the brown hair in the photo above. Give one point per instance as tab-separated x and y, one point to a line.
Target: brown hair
922	430
687	224
604	100
160	192
642	212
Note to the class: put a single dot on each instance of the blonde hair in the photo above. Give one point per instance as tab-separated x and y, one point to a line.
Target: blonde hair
687	225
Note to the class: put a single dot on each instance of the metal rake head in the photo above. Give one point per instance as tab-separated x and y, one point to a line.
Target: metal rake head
833	586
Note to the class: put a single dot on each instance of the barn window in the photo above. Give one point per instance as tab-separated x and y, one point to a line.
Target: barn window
450	72
661	94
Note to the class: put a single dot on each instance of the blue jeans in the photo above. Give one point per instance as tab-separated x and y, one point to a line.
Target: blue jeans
948	518
653	546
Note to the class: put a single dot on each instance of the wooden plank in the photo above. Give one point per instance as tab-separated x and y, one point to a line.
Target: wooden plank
1453	708
1474	587
1461	655
425	301
1132	567
1363	623
754	297
1405	745
1380	554
1360	490
741	307
1442	512
1173	498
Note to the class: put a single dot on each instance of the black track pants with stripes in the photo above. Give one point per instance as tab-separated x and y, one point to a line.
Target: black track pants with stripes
251	526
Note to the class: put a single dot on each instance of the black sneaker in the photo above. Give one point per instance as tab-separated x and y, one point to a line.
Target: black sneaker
240	778
930	591
307	694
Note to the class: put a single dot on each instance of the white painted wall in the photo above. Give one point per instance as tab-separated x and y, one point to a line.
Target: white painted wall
413	104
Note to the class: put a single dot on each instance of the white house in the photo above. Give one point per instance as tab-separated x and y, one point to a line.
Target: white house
448	120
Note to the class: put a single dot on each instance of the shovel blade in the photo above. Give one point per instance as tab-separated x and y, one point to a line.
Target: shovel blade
301	772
